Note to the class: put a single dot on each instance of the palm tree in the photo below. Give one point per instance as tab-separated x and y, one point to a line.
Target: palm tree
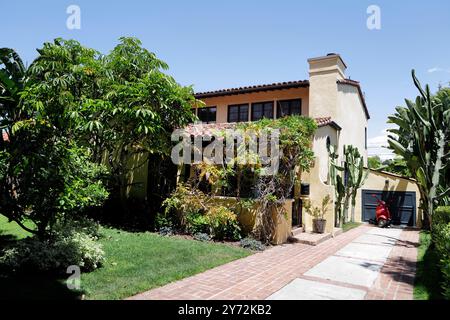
422	139
13	77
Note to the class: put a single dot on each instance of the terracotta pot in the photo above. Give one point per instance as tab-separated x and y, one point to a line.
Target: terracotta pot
319	225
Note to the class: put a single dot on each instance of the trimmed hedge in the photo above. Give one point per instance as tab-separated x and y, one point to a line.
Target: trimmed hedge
441	216
441	239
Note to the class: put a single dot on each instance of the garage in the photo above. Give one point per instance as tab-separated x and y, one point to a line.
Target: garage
402	205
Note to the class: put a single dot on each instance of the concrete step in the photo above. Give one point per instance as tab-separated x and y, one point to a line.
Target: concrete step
337	231
297	231
312	239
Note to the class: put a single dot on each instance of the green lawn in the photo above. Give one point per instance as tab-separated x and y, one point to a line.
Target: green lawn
10	231
428	277
135	262
350	225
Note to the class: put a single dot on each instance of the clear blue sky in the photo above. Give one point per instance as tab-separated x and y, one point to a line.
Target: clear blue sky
213	45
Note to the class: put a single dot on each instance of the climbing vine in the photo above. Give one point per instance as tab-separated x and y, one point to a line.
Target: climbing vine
269	191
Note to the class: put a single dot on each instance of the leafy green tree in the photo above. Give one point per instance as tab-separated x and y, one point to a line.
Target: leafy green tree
374	162
397	166
422	140
13	77
44	175
117	105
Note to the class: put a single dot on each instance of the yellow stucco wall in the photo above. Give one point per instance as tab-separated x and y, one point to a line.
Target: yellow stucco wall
351	117
318	190
138	176
321	151
247	218
377	181
341	102
223	102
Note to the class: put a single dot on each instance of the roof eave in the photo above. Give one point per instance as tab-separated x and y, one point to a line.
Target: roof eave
246	90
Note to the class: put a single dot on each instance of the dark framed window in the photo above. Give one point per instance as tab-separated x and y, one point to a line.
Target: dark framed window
289	108
238	113
262	110
365	137
207	115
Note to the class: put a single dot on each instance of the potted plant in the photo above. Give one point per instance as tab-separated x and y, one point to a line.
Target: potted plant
318	214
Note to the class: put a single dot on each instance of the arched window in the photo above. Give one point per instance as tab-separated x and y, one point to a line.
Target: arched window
328	142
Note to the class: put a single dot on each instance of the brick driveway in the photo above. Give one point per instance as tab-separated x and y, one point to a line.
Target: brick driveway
260	275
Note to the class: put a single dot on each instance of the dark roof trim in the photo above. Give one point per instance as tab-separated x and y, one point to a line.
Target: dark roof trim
391	174
252	89
358	86
335	126
328	56
326	121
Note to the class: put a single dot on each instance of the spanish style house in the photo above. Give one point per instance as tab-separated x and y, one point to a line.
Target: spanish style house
338	106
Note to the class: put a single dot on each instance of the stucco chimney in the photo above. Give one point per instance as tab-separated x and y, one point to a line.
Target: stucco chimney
331	64
324	72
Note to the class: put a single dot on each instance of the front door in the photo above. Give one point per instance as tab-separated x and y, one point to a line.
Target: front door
297	206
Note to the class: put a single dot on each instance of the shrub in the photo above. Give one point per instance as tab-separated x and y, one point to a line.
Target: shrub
252	244
54	255
162	220
441	240
183	201
204	237
166	231
441	216
197	223
223	223
442	243
80	224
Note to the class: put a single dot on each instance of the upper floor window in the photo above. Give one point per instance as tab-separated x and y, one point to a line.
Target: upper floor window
289	108
365	137
262	110
207	115
238	113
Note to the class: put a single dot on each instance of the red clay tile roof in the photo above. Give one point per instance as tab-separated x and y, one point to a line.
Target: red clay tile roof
326	121
323	121
358	86
210	129
278	86
251	89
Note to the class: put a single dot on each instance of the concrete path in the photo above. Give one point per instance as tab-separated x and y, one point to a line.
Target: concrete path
364	268
363	263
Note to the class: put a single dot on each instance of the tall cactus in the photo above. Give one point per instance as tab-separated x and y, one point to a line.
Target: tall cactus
422	139
346	189
357	175
337	182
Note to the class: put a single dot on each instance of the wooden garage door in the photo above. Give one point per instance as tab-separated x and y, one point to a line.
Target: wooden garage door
402	206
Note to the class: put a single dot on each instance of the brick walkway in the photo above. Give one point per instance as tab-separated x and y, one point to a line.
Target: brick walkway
261	274
396	278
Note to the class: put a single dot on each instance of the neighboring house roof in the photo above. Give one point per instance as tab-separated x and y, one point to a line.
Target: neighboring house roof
252	89
326	121
209	129
358	86
382	172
